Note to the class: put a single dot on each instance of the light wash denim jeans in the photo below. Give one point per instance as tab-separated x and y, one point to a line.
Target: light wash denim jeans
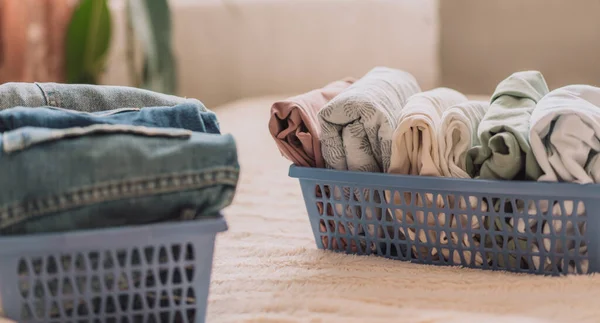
185	116
62	170
83	97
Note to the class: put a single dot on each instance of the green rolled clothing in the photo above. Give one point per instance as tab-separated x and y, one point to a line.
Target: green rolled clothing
504	152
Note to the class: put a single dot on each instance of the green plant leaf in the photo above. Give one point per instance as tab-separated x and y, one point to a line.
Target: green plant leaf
88	40
151	20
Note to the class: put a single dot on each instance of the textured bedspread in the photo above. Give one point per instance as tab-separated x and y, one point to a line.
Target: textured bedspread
268	269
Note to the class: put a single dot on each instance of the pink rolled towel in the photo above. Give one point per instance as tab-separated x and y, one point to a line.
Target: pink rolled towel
295	127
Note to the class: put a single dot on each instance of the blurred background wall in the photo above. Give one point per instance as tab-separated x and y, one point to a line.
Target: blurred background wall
231	49
482	41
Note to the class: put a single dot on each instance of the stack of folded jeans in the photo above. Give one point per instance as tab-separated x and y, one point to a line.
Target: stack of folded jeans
76	157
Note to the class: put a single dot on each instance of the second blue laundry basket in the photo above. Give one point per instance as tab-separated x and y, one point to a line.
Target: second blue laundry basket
531	227
139	274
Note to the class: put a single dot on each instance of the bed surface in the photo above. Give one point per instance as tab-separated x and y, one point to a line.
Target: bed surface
267	267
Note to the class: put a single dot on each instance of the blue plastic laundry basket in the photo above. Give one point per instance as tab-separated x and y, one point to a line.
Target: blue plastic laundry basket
154	273
542	228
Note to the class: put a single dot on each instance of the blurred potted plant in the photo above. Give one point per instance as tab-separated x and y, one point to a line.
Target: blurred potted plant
148	35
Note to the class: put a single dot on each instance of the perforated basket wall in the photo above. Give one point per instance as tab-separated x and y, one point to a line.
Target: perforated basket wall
543	228
157	273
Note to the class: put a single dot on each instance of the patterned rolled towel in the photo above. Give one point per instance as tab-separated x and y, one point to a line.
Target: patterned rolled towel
415	152
457	134
357	125
504	152
295	127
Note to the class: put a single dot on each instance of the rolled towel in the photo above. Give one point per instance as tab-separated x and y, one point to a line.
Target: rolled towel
565	134
295	127
415	152
565	140
504	152
415	148
457	134
357	125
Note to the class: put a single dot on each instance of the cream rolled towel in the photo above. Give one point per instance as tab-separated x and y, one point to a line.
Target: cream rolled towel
415	148
565	134
457	134
357	125
415	152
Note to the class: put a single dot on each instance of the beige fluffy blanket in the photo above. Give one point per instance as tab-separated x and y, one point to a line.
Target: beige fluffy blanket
268	269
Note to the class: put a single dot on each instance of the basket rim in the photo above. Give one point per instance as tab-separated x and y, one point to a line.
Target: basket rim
448	185
83	238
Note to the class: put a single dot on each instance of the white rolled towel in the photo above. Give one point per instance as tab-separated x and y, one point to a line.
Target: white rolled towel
565	140
565	134
457	134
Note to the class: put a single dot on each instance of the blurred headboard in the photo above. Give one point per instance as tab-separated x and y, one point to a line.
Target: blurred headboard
230	49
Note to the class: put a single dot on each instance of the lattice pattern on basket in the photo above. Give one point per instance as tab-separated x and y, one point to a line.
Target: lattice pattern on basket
525	234
137	285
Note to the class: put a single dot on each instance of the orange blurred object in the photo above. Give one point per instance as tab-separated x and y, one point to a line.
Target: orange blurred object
32	39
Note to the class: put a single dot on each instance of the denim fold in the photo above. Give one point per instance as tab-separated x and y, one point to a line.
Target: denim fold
84	97
185	116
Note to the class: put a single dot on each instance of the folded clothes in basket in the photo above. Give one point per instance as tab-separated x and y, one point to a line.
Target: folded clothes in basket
63	169
525	133
504	151
357	125
295	127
